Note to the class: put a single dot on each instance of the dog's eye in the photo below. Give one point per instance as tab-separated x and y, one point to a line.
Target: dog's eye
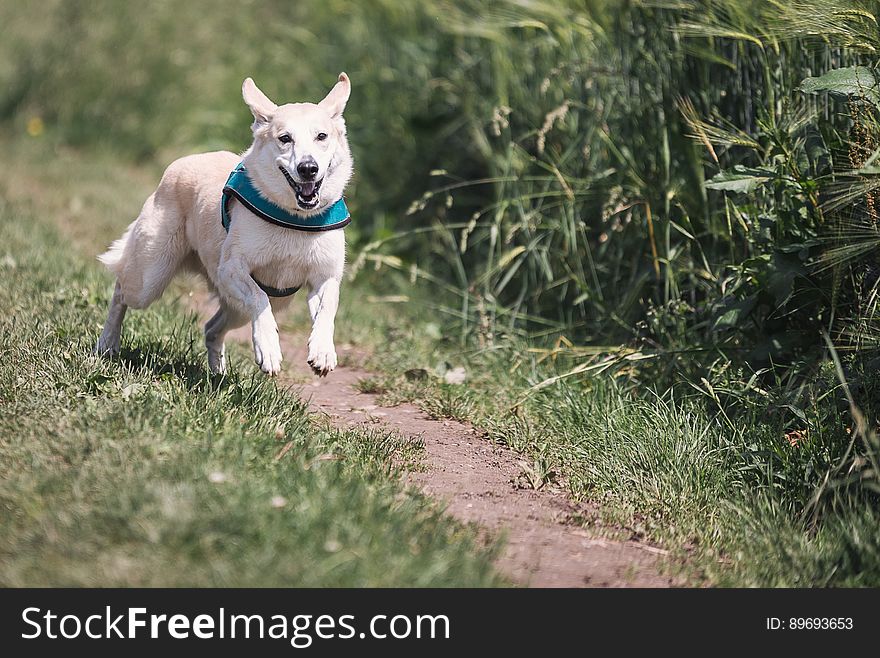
321	137
285	138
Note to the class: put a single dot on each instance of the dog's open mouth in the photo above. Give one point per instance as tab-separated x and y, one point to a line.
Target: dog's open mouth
306	193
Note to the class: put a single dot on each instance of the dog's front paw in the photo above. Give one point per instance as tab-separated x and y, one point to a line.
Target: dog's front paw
322	358
267	347
107	346
217	359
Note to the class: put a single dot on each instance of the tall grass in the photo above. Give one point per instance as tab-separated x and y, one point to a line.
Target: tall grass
544	163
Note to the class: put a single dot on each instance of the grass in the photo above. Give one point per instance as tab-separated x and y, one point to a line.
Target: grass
630	221
149	471
737	497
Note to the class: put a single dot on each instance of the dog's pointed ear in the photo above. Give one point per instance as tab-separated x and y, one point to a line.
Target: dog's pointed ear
261	107
335	101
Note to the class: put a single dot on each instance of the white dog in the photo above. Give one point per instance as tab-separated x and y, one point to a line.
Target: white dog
257	234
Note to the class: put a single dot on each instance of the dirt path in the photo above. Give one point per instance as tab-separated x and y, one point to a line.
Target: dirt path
477	480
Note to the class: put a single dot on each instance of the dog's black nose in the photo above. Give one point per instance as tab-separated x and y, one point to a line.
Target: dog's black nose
308	169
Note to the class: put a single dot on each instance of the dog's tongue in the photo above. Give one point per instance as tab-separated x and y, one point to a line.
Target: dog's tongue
307	189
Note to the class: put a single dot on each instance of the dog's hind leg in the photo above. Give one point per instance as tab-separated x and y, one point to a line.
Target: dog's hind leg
144	261
108	343
153	256
154	246
215	333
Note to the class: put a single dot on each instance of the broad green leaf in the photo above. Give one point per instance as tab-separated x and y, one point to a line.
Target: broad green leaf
735	313
741	179
842	83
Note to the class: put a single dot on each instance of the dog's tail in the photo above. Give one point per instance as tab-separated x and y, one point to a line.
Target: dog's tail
113	256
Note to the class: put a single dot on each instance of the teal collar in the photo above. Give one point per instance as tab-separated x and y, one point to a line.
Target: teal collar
239	186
